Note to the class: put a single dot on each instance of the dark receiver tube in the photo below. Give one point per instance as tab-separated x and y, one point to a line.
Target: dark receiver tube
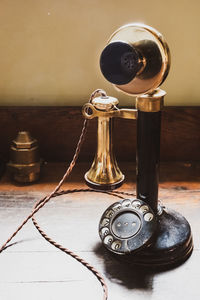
148	155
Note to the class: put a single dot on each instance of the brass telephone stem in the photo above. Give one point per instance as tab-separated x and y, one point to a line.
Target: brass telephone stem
104	141
104	173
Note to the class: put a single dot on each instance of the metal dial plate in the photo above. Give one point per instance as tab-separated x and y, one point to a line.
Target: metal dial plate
127	226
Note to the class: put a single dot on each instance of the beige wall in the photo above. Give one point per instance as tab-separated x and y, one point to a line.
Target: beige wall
49	49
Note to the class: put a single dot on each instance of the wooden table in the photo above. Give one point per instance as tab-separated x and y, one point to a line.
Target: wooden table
34	269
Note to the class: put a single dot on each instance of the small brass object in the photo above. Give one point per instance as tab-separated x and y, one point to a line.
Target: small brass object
24	164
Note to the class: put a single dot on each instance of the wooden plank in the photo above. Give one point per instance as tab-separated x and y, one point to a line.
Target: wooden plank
33	265
58	129
177	175
34	269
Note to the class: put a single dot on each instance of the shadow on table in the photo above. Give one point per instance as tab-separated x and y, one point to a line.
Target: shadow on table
128	274
131	276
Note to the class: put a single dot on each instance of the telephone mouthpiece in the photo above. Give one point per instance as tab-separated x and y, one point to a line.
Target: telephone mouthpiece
119	63
136	59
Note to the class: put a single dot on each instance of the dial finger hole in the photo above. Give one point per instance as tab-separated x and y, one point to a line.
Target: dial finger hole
109	213
144	209
116	245
104	231
117	207
108	239
136	204
105	222
126	203
148	217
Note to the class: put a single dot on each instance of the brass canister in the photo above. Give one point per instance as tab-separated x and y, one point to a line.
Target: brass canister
24	164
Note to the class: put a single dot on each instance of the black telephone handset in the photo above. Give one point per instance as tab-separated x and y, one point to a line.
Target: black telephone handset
136	60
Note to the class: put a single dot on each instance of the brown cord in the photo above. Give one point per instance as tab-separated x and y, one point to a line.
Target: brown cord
55	193
43	201
71	253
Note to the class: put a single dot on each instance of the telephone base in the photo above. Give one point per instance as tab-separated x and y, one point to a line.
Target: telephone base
171	246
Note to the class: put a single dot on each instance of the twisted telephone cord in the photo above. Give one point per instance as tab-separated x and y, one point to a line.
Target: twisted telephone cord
39	204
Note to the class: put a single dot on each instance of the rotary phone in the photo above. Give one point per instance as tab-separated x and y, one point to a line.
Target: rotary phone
136	60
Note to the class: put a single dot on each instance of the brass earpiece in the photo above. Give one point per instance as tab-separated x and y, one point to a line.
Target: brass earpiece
136	59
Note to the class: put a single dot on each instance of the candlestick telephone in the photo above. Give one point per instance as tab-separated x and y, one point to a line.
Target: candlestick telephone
136	60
